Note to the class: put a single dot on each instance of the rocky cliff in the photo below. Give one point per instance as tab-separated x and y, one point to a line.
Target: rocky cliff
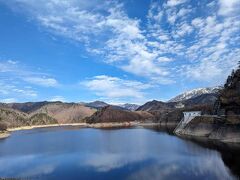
225	124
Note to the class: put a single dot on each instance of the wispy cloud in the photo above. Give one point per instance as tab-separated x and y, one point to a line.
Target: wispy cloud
181	41
15	70
175	31
229	7
12	92
114	88
207	45
124	43
42	81
19	82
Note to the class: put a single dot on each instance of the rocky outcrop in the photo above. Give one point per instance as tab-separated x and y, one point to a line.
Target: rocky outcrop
213	128
112	114
225	124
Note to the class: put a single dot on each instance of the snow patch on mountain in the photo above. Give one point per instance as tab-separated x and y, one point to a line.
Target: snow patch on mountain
130	107
194	93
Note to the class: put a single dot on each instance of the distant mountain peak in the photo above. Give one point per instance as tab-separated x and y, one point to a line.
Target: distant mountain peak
97	104
194	93
128	106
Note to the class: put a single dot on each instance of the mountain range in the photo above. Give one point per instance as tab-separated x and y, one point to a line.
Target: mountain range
32	113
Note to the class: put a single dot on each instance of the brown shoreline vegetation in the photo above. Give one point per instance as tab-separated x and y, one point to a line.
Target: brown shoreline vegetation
5	134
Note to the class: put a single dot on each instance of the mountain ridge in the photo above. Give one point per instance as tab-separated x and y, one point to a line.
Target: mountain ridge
195	92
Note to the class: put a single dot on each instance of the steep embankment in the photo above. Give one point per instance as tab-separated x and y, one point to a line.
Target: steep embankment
112	114
225	125
214	128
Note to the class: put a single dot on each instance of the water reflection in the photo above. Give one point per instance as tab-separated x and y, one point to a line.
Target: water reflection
106	154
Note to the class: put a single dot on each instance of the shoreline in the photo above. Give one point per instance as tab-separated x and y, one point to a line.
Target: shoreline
43	126
83	125
105	125
4	135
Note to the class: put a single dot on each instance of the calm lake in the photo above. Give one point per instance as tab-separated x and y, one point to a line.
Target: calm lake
74	153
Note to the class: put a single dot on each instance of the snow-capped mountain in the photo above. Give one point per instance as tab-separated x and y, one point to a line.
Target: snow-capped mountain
194	93
131	107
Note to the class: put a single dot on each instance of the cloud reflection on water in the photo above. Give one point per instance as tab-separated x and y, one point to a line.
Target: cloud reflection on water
126	154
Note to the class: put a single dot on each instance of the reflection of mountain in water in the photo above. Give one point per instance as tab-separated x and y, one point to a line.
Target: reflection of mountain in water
230	153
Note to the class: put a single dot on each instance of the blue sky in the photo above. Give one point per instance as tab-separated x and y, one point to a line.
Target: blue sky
116	51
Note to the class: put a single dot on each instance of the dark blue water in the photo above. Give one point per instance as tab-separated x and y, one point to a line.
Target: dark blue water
66	153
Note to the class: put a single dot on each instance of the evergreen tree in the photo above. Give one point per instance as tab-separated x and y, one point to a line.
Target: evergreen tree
233	72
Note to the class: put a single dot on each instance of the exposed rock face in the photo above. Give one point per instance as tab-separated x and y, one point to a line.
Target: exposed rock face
212	128
226	126
112	114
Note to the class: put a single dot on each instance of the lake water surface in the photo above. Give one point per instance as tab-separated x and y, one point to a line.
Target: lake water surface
73	153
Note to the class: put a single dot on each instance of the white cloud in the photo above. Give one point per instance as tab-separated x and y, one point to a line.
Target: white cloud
164	59
125	43
113	88
12	62
17	71
42	81
11	89
227	7
207	45
175	2
194	38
